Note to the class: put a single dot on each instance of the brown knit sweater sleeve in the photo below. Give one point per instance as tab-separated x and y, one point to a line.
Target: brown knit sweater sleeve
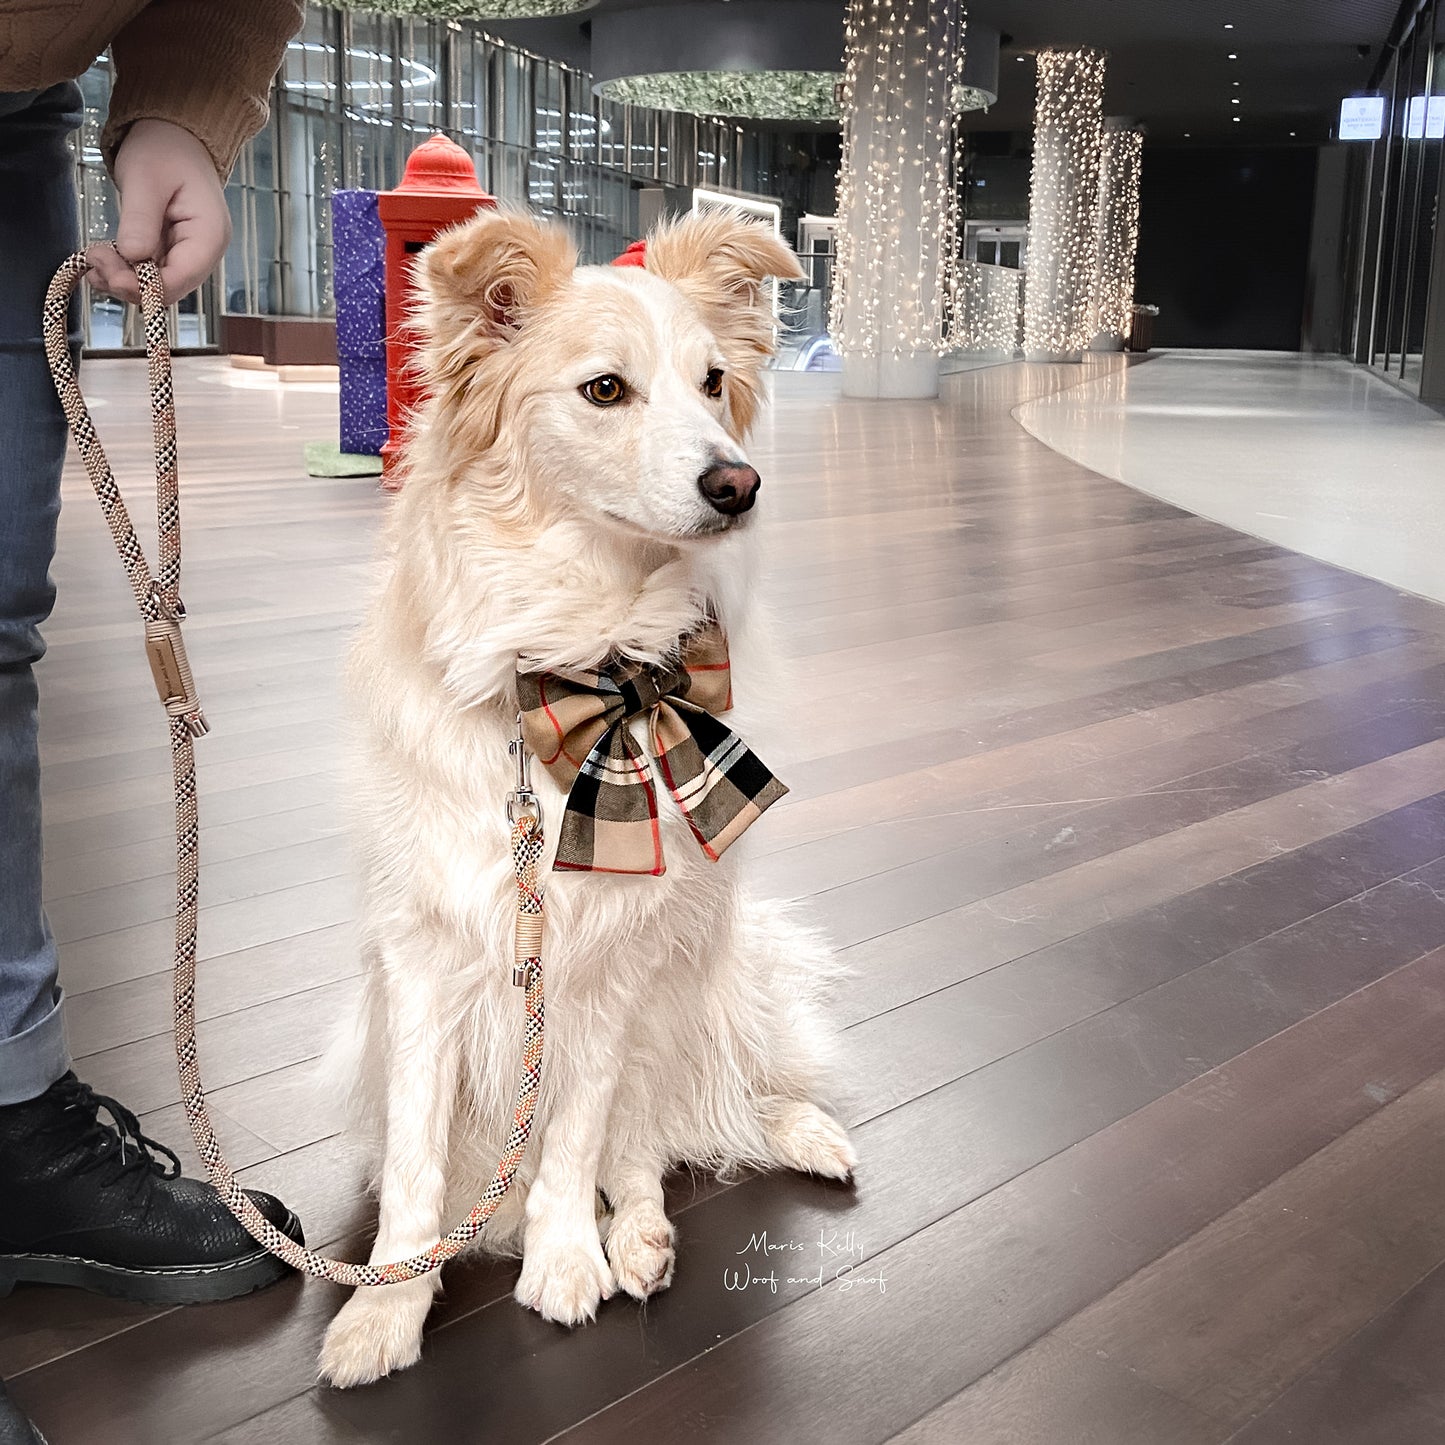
202	64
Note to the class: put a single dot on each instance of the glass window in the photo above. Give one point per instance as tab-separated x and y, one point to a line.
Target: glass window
642	142
673	146
370	106
470	67
517	99
1425	125
582	112
709	152
420	80
307	143
1400	183
612	134
549	114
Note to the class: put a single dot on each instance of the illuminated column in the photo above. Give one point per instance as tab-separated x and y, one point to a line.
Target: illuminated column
897	205
1063	205
1118	235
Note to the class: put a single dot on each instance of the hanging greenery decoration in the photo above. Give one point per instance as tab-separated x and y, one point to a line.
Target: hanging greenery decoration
753	94
464	9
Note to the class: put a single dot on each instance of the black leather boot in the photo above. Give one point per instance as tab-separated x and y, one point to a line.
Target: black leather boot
15	1428
89	1203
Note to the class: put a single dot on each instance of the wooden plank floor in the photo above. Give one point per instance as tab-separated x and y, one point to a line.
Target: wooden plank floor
1131	827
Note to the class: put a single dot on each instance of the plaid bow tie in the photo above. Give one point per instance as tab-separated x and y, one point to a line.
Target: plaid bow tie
576	724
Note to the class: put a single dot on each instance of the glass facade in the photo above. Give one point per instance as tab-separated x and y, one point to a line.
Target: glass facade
1398	194
358	92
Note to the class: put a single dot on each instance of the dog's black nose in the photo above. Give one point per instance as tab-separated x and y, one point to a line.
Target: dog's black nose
730	487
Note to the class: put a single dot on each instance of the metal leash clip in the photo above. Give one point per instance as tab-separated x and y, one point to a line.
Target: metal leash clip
170	667
524	812
521	801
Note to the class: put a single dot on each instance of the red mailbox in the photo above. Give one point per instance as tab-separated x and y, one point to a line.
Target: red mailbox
438	189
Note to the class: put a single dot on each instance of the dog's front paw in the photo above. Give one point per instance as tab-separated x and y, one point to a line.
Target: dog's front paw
565	1281
640	1249
807	1139
377	1331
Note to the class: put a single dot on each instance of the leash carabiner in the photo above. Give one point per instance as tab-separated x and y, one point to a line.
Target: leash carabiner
521	801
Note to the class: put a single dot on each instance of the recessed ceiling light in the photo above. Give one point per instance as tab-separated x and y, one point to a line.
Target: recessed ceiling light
1293	132
1233	56
1021	58
1234	82
1186	134
1236	120
1234	102
1228	26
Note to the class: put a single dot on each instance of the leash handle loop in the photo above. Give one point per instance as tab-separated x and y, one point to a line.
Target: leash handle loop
158	599
157	596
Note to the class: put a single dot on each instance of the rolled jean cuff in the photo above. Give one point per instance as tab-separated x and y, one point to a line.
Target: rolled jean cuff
31	1062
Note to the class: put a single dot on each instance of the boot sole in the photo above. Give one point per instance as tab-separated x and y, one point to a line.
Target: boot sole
175	1284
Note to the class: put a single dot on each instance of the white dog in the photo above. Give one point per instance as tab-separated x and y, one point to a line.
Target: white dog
576	493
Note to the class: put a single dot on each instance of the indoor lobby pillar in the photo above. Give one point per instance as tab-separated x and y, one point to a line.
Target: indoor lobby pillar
1063	205
897	206
1118	234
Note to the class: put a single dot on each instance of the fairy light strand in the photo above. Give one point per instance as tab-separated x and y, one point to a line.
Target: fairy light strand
898	211
1063	202
984	308
1118	232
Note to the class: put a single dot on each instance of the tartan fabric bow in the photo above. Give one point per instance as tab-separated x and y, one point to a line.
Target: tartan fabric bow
576	724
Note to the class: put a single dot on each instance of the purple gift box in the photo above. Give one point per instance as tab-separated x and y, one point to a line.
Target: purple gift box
359	285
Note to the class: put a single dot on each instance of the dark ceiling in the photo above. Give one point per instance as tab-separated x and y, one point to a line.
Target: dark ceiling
1169	65
1168	59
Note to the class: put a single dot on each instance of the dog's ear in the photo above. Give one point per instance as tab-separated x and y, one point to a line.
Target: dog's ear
480	279
478	284
719	261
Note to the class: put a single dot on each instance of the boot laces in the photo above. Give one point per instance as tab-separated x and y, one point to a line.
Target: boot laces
119	1146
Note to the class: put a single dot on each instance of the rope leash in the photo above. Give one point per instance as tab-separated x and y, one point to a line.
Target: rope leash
158	598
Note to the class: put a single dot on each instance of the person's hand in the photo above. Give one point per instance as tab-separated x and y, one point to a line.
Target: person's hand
172	209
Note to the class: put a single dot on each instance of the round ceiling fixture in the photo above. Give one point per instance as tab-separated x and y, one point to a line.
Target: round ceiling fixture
759	59
977	87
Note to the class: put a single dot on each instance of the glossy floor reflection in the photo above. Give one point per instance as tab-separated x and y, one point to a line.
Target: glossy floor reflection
1130	828
1312	453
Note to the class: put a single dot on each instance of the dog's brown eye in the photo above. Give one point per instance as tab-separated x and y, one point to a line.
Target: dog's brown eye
605	390
713	385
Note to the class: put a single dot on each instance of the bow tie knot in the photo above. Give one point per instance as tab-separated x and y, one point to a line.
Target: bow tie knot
576	723
641	691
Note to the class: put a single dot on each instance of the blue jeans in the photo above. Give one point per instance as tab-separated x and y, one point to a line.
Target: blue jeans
37	232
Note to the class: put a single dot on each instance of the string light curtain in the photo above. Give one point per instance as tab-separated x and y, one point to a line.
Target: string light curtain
897	202
983	313
1063	203
1118	233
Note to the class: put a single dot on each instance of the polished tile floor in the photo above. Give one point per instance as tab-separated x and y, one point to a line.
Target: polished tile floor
1309	452
1131	827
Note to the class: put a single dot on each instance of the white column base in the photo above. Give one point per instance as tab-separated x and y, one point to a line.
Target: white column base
892	377
1065	357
